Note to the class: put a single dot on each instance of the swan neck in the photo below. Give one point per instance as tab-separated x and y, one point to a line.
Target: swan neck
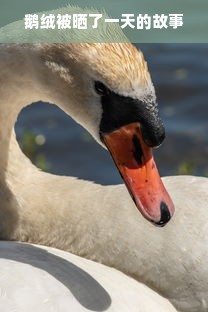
19	87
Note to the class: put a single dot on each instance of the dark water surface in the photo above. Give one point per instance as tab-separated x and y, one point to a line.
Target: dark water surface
180	76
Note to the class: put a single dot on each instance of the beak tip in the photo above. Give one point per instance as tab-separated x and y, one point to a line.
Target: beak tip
165	215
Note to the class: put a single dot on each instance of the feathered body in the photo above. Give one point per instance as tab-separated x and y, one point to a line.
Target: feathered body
96	222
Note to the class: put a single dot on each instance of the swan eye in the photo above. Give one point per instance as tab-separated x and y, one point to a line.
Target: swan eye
100	88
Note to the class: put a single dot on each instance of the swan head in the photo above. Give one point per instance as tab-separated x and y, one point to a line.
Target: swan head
114	99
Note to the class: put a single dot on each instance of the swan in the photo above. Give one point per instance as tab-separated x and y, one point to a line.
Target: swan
98	222
38	278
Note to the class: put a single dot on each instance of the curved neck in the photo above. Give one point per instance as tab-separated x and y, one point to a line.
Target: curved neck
29	197
30	73
36	206
19	87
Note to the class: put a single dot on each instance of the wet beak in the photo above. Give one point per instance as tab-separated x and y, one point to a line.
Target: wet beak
136	165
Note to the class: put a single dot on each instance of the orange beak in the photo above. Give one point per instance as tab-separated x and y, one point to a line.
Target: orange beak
136	165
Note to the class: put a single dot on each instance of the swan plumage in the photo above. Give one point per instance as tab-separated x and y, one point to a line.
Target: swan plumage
46	279
94	221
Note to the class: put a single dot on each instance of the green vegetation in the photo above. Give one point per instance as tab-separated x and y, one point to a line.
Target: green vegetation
30	144
189	167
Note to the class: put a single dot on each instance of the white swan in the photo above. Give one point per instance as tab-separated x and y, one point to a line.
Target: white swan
94	221
37	278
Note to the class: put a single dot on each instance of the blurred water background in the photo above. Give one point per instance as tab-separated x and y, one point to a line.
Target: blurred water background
180	75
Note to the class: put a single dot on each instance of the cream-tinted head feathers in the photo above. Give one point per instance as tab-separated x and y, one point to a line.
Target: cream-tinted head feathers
118	65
